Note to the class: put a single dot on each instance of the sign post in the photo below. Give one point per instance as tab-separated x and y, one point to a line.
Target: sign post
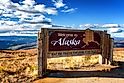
42	53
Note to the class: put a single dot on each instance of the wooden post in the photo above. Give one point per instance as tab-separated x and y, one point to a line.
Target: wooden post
111	51
103	48
40	73
107	48
42	52
101	55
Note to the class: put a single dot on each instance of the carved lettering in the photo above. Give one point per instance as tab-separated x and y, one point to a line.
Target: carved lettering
66	42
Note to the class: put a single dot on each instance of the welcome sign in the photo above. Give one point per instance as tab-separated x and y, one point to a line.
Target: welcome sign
65	40
63	43
70	42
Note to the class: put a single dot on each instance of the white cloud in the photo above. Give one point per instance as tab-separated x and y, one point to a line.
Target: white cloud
14	15
101	25
66	7
27	14
58	3
10	23
114	30
86	25
110	25
40	8
4	1
9	28
69	10
29	2
51	11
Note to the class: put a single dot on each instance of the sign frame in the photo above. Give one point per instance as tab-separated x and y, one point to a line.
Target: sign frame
106	48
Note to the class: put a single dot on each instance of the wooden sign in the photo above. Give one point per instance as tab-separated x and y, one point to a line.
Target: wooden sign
61	43
65	41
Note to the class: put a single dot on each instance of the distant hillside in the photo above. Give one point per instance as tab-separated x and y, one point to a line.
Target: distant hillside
118	42
17	42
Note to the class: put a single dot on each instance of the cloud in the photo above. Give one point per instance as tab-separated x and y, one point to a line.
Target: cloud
101	25
29	2
69	10
116	30
58	3
28	15
110	25
51	11
89	25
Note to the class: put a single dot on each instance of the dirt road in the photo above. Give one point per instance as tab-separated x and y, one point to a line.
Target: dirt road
81	80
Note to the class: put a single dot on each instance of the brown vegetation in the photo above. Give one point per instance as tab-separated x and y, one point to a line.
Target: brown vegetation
21	65
18	66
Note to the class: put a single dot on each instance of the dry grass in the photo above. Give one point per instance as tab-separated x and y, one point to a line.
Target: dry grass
118	54
21	65
73	62
18	66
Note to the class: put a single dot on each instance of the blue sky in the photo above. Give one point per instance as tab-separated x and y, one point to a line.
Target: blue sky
93	12
86	11
34	14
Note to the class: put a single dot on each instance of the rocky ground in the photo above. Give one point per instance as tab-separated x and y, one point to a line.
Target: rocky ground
20	66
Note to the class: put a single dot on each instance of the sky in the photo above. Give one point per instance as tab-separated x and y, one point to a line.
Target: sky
28	16
93	12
